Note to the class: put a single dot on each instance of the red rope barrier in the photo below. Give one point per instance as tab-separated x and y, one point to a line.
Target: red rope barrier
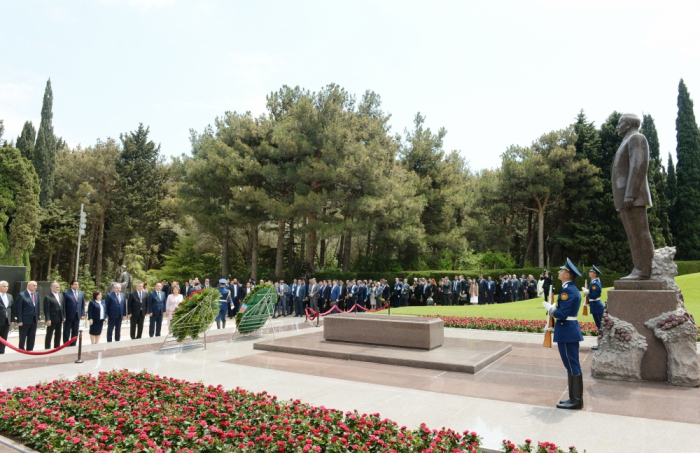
335	307
51	351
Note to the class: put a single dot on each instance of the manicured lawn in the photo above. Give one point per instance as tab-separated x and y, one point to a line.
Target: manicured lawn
532	309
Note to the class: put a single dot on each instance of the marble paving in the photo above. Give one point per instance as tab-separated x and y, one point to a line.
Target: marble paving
512	398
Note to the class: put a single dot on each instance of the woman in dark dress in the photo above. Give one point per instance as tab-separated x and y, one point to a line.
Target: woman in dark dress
97	313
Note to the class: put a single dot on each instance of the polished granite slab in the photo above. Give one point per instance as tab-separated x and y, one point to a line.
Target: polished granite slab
456	354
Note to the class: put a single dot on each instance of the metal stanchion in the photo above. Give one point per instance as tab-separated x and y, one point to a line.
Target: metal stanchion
80	347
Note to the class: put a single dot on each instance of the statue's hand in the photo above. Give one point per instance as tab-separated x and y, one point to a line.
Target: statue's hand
629	202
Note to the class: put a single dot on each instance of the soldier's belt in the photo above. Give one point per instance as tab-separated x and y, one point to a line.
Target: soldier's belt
572	318
594	300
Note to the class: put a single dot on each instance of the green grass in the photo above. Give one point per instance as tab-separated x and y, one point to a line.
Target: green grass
532	309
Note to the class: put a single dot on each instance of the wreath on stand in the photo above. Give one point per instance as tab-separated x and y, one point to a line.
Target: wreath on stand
195	314
249	305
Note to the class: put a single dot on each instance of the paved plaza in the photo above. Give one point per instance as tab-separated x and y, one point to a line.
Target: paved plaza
512	398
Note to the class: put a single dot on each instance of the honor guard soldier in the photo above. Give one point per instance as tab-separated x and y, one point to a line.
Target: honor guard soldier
596	305
567	332
224	302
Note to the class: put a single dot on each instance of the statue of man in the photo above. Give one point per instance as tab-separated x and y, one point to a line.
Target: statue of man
631	193
125	280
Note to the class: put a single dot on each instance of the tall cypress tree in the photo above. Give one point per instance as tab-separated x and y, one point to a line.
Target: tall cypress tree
25	141
45	148
688	174
658	216
672	196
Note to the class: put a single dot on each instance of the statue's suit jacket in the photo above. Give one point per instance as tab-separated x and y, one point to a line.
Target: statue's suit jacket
629	172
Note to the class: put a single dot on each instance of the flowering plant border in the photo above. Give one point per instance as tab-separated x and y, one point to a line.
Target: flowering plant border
121	411
511	325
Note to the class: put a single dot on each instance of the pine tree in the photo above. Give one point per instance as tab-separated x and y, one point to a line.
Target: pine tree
45	149
688	173
141	186
671	196
658	216
25	141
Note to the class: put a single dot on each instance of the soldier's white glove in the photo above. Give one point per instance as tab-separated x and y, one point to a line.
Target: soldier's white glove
585	291
549	307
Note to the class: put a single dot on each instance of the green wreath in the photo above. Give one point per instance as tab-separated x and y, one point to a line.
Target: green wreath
251	302
200	310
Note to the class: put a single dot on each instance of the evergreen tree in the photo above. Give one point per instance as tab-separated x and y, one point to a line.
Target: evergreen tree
658	215
45	149
688	173
671	196
25	141
141	186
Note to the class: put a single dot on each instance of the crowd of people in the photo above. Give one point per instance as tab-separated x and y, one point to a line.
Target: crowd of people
65	308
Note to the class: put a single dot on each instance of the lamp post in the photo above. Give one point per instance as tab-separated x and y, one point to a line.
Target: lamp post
81	231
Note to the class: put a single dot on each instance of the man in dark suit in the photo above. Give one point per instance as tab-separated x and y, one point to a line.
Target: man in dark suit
75	311
155	309
299	295
456	290
166	287
137	311
54	315
7	313
482	289
236	297
116	312
27	316
327	296
490	290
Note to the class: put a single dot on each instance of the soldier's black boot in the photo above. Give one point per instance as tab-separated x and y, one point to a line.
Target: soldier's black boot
218	324
576	392
570	386
223	323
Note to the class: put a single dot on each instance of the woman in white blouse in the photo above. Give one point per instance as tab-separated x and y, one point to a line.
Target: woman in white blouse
174	299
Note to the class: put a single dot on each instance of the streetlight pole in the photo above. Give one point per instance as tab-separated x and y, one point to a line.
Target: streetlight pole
81	231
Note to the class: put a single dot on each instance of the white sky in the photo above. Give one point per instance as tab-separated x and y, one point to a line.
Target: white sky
493	73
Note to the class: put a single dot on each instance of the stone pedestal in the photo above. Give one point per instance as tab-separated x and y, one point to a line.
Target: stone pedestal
404	331
636	303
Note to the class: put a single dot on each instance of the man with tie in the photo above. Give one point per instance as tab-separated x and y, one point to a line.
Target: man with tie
299	296
137	311
481	283
335	293
490	290
75	311
7	318
314	291
326	296
27	316
155	307
456	290
236	297
54	315
206	283
116	312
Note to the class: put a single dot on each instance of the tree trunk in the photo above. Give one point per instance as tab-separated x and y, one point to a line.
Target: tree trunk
322	254
529	253
346	251
290	245
71	265
540	234
369	243
100	243
224	252
341	248
302	243
48	268
311	245
91	245
279	261
254	254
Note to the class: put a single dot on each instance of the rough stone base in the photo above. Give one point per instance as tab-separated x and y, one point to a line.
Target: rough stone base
637	307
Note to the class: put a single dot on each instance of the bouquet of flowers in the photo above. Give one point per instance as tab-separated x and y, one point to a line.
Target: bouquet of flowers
195	314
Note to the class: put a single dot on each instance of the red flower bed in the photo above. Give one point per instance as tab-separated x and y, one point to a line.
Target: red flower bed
123	411
527	447
515	325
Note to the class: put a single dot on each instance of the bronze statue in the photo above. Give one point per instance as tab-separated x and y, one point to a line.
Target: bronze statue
631	193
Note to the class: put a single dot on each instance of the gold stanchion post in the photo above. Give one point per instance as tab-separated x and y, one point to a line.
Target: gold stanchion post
80	347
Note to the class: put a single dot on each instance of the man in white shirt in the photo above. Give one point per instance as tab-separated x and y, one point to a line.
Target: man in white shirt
7	318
